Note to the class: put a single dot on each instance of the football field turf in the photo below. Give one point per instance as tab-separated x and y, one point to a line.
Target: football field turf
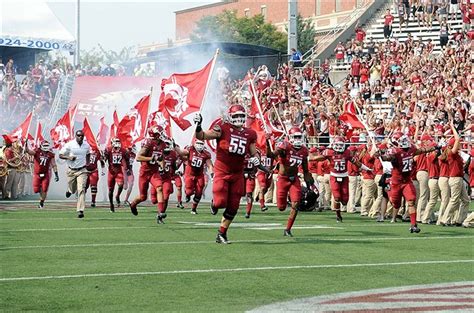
52	261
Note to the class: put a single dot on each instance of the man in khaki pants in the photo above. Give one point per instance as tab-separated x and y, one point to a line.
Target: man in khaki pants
369	188
354	187
433	173
76	152
443	184
422	177
456	210
12	159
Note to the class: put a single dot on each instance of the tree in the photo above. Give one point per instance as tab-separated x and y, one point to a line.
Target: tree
228	27
306	34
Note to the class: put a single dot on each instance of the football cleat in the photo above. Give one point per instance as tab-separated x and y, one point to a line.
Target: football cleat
222	238
133	208
93	205
180	205
380	219
247	215
68	194
80	214
287	233
188	198
213	209
264	208
160	218
414	229
112	208
194	212
118	202
40	205
339	219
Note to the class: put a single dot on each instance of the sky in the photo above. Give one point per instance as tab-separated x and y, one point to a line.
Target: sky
114	24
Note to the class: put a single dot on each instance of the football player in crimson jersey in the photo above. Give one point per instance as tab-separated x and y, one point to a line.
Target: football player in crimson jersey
339	157
265	179
43	162
132	154
401	184
291	155
162	193
117	158
93	178
178	182
234	141
250	172
196	157
151	157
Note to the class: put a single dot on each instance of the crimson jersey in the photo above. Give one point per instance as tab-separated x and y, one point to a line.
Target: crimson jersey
292	156
249	168
232	146
94	158
196	161
338	162
42	161
266	161
403	165
115	158
152	148
169	168
131	159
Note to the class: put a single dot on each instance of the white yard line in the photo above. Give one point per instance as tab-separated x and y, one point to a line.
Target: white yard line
317	239
227	270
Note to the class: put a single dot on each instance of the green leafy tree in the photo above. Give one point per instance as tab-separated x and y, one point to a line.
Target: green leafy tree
227	26
306	34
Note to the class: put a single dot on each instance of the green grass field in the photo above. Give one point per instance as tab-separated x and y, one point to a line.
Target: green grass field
52	261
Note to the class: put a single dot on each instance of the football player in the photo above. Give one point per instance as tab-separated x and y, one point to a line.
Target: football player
197	158
117	158
93	179
43	162
401	184
339	156
291	155
250	172
234	141
151	157
132	154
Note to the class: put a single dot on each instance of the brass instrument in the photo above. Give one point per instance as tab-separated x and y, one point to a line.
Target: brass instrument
16	155
3	167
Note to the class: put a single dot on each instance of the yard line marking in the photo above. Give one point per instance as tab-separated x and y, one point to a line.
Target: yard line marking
118	244
73	228
224	270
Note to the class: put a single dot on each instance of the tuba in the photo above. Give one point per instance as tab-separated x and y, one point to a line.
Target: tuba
3	167
16	155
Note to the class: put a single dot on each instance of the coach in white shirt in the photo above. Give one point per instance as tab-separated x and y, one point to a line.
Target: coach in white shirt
76	152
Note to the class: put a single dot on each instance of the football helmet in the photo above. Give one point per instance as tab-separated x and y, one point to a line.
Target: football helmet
116	144
339	145
44	146
308	199
296	137
199	145
237	115
404	142
157	132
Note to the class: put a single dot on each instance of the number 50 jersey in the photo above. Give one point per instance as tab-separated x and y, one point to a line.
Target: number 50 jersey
196	162
232	147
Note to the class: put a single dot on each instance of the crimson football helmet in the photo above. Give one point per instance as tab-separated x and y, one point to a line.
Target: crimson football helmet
296	137
199	145
237	115
339	145
44	146
116	144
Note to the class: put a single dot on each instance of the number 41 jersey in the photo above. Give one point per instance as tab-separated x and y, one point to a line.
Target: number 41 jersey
232	147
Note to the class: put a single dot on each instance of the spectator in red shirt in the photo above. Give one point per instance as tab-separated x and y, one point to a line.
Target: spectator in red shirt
360	34
387	24
355	67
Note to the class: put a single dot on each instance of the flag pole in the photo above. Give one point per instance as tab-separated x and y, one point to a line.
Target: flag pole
27	133
279	119
257	102
206	91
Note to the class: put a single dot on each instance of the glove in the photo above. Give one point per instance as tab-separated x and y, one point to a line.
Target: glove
56	177
255	161
178	173
129	172
198	119
102	173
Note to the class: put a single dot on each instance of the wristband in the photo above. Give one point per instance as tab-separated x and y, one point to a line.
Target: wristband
198	128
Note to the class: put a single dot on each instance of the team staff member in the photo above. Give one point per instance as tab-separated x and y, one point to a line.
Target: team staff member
76	152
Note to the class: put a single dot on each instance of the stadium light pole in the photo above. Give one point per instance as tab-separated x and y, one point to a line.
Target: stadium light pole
292	29
78	32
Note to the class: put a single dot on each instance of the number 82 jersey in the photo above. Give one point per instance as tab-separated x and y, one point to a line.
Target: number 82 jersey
232	146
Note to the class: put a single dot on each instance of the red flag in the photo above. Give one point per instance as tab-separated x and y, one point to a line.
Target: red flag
62	132
276	129
21	132
39	135
162	119
183	94
103	131
352	120
257	125
89	135
116	119
350	107
132	127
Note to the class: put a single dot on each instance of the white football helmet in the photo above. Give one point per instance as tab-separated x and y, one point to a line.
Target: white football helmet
199	145
237	115
339	145
296	137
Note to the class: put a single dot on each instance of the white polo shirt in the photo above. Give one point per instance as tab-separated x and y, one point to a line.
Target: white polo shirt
72	148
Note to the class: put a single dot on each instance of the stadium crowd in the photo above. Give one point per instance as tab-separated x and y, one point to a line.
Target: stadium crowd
394	89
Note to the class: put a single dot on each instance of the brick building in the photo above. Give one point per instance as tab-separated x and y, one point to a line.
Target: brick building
325	14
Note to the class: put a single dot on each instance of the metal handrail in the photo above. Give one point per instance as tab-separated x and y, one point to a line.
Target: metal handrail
63	89
322	43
